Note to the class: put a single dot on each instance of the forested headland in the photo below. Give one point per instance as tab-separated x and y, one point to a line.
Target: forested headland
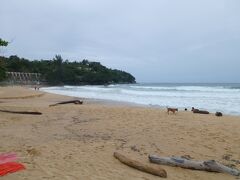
65	72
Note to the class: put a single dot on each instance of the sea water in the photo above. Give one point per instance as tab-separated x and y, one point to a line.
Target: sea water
211	97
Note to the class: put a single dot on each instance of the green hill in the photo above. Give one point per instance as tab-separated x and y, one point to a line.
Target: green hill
60	72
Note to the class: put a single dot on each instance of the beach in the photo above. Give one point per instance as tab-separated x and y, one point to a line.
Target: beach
224	97
78	141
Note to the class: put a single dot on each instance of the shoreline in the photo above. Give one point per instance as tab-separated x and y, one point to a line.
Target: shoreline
77	141
132	104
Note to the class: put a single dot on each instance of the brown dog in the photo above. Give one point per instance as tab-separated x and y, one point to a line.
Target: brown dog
173	110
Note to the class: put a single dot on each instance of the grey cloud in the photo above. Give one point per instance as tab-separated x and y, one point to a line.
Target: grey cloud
155	40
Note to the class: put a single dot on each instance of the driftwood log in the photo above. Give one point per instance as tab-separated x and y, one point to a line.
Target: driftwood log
67	102
200	111
148	168
210	165
22	112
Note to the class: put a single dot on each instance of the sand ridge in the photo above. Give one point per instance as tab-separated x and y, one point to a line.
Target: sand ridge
78	141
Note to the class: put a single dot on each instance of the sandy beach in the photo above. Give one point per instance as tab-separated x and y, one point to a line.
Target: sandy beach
75	142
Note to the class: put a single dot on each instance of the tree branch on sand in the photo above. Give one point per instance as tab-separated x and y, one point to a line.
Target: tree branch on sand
209	165
67	102
148	168
21	112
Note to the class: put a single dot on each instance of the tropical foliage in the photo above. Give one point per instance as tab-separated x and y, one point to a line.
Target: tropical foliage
3	42
57	71
2	69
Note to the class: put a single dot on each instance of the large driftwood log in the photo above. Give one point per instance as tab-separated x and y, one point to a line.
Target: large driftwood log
157	171
67	102
210	165
22	112
200	111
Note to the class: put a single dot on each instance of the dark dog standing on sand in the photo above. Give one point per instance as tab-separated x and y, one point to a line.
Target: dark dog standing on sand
218	114
173	110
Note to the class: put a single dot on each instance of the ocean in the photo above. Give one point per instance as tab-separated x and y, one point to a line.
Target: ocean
211	97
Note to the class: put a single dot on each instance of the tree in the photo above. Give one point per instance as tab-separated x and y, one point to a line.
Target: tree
3	42
55	74
2	69
2	72
58	71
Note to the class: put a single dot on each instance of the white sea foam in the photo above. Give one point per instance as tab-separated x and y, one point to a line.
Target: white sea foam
224	98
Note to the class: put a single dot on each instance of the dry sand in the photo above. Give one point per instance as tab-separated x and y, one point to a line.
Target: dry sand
77	141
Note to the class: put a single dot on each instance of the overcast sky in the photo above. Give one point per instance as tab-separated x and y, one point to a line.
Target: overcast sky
155	40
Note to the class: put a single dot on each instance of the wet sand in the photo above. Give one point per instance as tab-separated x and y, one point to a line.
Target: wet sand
77	141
